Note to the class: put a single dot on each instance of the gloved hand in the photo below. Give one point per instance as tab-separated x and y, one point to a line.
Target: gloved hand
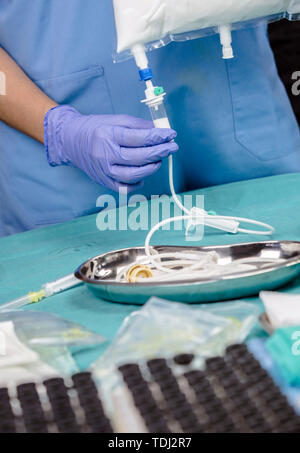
113	150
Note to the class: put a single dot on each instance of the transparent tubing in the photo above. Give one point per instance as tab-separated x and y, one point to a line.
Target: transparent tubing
161	120
47	290
62	284
225	223
155	102
16	303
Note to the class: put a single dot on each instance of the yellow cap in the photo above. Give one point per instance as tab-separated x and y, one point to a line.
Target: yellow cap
138	271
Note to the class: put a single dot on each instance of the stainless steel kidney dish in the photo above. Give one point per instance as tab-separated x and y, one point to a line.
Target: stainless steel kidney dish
100	273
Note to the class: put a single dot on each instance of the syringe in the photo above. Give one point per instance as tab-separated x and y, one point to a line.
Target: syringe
47	290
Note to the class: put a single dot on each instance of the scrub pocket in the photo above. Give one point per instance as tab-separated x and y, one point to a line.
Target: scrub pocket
261	111
87	90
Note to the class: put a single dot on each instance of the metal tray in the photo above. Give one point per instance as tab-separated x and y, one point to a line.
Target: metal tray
225	287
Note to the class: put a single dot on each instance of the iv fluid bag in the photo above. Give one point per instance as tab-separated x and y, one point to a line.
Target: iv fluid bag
155	23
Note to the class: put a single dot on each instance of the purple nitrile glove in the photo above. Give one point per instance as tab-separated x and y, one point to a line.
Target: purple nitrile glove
114	150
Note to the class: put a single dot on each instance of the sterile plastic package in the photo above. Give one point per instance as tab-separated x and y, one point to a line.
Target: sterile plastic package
40	329
156	23
244	315
19	363
164	328
12	351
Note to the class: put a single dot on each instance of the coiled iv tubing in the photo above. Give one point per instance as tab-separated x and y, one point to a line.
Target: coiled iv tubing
168	267
173	265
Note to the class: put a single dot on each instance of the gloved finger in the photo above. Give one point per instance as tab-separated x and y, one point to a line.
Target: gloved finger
117	186
135	138
146	155
127	121
133	175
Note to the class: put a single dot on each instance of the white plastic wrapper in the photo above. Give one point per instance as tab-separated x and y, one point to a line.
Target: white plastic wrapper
18	363
282	309
157	22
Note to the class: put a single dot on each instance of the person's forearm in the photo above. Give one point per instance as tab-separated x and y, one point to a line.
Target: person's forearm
24	105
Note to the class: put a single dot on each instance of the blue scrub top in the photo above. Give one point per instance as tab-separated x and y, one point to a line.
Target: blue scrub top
233	118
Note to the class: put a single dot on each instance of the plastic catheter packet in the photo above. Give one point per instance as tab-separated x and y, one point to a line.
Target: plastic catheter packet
155	23
19	363
12	351
40	329
244	315
164	328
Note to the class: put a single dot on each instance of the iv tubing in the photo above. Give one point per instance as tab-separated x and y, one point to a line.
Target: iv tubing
47	290
225	223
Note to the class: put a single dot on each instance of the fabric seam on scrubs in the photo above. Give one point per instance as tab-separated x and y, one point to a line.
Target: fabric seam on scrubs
93	70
